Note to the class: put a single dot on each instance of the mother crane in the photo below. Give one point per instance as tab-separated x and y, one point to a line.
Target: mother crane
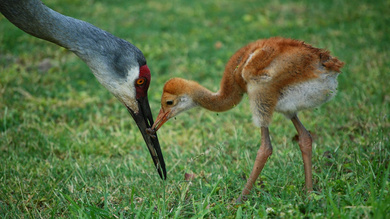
117	64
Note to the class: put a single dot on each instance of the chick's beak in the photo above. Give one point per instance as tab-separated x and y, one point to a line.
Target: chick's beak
144	120
162	117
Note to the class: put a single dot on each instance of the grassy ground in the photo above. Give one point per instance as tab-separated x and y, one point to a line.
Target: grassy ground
69	149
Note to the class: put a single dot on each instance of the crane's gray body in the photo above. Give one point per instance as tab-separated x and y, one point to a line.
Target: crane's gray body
98	48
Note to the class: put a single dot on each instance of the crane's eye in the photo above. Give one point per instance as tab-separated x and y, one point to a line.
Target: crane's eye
169	102
140	81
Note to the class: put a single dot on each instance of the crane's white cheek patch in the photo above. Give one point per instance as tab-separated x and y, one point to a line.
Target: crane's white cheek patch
125	91
122	88
127	96
185	103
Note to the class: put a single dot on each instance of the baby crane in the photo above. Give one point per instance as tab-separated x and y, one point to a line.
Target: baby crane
279	75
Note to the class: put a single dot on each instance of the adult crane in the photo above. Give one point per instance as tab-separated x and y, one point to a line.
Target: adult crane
279	75
117	64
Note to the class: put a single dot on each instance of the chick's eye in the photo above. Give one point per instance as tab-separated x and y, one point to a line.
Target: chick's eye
140	81
169	102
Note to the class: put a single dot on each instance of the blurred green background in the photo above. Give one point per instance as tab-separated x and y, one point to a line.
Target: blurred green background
68	148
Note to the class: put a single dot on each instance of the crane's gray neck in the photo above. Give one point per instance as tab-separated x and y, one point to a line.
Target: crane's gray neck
93	45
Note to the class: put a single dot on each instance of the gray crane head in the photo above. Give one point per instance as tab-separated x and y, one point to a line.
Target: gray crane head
122	69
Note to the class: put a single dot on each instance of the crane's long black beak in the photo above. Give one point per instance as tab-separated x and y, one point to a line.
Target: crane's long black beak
144	120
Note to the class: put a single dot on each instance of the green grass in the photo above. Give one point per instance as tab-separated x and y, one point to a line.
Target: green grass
69	149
